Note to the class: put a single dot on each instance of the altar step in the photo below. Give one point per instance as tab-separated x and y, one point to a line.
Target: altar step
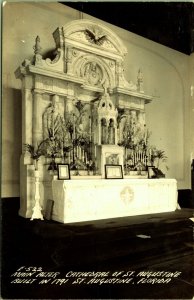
96	250
103	241
151	242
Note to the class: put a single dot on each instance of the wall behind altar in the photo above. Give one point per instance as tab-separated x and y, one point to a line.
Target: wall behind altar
192	103
166	74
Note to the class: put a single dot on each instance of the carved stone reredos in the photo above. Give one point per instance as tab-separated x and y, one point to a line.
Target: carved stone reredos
89	34
92	53
106	108
88	55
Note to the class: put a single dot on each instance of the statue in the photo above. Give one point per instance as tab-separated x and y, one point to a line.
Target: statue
48	120
82	126
104	132
111	133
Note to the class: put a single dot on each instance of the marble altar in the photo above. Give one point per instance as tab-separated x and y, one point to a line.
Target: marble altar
79	109
81	200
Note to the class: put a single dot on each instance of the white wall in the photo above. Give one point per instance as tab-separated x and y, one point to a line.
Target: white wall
166	73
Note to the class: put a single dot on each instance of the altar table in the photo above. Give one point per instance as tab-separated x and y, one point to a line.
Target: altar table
84	200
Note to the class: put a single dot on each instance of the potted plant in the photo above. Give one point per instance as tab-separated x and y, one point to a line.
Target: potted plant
158	156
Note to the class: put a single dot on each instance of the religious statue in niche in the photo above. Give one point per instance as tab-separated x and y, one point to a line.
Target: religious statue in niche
93	73
52	118
104	131
56	135
82	125
111	132
123	123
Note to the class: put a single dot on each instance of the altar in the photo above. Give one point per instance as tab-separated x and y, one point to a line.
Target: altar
85	200
83	120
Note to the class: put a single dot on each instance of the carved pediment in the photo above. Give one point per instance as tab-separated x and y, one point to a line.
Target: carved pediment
91	34
94	37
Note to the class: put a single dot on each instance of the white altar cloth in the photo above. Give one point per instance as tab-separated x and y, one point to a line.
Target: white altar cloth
84	200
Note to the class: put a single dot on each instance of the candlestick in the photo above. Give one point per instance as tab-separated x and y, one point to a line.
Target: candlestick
83	155
90	128
73	126
80	152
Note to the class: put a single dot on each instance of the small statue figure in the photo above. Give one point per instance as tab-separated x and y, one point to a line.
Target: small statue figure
111	133
104	132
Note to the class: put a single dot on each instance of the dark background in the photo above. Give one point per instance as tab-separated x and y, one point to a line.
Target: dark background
168	23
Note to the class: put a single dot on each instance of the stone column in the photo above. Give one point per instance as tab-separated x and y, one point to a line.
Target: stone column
27	111
69	60
116	132
99	132
37	118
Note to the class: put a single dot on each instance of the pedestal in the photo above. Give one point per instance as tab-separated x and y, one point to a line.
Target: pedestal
109	154
37	214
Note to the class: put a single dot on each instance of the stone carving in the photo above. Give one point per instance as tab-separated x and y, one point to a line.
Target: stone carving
37	48
37	51
127	195
93	73
112	159
95	36
86	77
140	81
53	121
83	124
57	54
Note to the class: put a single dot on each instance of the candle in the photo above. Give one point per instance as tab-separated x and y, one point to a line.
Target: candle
80	152
77	154
90	128
145	138
83	155
73	126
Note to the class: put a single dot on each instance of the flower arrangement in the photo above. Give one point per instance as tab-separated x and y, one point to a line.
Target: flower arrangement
158	156
36	153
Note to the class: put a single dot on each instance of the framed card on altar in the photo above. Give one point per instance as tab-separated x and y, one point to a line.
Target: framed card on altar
63	171
113	172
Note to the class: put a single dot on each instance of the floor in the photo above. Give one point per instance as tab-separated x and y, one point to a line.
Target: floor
140	257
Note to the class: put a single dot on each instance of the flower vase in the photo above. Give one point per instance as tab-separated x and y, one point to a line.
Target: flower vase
53	166
37	214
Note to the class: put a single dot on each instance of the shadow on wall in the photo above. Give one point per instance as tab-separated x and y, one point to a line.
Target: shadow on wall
11	137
